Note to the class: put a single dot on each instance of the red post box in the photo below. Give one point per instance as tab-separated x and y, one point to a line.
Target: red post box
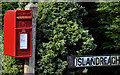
18	33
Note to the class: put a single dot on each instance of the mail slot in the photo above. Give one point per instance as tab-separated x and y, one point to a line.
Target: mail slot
18	33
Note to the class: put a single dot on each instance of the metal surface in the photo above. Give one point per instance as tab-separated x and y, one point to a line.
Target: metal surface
15	21
70	60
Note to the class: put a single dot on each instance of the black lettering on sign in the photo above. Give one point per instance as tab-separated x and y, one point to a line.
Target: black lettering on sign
93	61
113	60
117	60
109	61
105	63
83	62
76	61
79	61
101	60
88	61
97	61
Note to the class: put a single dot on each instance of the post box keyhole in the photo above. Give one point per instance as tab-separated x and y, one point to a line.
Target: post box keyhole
23	30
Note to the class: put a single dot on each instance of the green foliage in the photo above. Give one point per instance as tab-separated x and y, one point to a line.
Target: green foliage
22	5
105	44
59	34
9	65
8	6
110	23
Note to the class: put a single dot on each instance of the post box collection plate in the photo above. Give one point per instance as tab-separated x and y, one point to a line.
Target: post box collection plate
23	41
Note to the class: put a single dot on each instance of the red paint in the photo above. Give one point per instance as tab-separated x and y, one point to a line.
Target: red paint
14	23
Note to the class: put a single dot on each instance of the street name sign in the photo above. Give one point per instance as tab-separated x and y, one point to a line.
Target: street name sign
90	61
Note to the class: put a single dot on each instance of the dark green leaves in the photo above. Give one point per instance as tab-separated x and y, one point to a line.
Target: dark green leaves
110	22
60	25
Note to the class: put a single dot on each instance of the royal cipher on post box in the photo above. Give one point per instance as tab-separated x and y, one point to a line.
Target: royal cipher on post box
18	33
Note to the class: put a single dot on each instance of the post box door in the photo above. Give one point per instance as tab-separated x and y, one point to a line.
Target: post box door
24	33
